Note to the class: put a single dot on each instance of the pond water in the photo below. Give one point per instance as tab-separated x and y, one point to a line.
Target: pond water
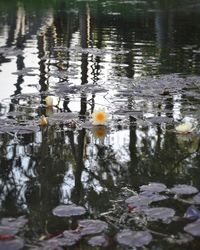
74	185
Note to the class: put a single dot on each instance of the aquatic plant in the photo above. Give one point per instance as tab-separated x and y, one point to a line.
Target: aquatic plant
49	101
184	128
43	121
99	117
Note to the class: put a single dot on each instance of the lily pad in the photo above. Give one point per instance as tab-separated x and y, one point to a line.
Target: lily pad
13	244
162	213
57	242
19	222
184	189
88	227
98	241
196	199
71	237
68	210
63	116
154	187
193	228
8	230
134	238
160	120
192	213
144	199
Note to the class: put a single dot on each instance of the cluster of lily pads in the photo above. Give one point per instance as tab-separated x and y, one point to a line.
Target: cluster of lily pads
139	216
132	218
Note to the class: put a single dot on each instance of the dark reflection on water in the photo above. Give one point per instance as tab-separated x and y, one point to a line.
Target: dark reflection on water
67	49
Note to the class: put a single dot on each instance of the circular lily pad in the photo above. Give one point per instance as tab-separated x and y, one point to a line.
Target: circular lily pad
68	210
144	199
88	227
157	213
54	243
98	241
138	201
184	190
153	187
71	237
193	228
134	238
192	213
19	222
13	244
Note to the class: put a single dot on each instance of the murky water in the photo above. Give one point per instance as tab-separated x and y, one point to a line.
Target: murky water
137	59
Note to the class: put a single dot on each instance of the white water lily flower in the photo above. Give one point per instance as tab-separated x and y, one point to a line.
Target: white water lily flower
49	101
185	128
43	121
99	117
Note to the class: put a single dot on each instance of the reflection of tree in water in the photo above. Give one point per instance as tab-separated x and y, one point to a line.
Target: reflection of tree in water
49	158
10	198
49	161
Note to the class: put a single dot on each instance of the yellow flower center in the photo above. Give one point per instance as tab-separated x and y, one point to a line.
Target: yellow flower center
100	116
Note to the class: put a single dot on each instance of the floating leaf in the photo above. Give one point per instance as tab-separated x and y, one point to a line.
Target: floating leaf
71	237
192	213
144	199
8	230
62	117
160	120
184	189
19	222
138	201
56	243
87	125
193	228
99	240
134	238
196	199
13	244
68	210
154	187
157	213
16	113
88	227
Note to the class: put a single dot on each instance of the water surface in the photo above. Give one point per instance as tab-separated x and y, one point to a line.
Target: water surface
117	55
